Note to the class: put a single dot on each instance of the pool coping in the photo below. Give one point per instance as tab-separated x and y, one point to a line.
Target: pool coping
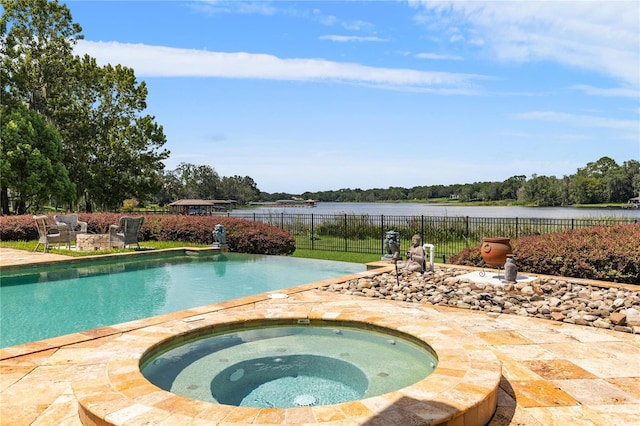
49	261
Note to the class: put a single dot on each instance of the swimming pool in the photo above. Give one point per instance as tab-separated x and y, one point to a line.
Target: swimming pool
37	304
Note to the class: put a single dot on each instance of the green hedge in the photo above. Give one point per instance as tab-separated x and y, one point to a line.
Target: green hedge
243	236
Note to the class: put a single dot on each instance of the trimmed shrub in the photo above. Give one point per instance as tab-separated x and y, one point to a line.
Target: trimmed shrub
18	228
605	253
243	236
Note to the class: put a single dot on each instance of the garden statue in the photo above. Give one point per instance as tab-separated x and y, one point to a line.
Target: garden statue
510	270
416	256
219	236
391	245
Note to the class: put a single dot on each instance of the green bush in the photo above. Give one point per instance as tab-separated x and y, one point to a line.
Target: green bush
606	253
243	236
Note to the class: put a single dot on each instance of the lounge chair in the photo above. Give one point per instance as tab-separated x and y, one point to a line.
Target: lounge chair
126	232
71	220
51	233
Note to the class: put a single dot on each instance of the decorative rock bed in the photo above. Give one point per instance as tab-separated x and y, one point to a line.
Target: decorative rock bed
616	308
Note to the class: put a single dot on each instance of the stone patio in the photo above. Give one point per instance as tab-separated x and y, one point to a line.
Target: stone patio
553	373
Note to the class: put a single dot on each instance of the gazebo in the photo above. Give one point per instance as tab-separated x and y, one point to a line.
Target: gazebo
201	207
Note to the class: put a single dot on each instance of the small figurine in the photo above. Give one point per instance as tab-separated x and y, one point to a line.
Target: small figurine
219	236
416	256
510	270
392	245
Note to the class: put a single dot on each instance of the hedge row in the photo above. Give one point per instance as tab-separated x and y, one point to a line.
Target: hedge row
243	236
606	253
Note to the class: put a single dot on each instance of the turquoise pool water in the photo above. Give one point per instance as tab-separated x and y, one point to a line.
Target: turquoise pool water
48	303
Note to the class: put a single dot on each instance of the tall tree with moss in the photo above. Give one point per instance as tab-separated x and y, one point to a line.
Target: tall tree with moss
111	150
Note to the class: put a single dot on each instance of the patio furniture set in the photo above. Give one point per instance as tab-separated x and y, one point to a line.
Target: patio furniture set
68	228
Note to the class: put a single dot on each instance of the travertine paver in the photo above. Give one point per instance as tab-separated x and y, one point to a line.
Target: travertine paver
552	373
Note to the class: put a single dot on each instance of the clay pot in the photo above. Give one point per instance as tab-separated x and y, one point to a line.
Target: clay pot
494	250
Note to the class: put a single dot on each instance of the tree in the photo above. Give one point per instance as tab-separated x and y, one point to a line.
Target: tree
420	193
241	189
511	186
631	171
111	150
170	188
125	158
542	190
200	182
588	185
31	165
37	43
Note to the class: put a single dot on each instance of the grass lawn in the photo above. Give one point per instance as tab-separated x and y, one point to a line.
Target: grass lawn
157	245
339	256
145	245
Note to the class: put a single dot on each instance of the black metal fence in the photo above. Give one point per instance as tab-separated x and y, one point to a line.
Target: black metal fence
366	233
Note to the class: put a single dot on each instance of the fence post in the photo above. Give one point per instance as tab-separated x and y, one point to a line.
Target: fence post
382	232
517	233
422	237
345	232
313	240
466	226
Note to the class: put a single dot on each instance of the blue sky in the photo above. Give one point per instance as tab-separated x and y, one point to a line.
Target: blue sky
313	96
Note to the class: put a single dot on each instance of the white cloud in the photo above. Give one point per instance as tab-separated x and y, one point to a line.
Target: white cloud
617	92
601	36
580	120
244	8
159	61
358	26
340	38
437	56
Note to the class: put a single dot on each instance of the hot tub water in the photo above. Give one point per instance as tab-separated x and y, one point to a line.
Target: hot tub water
290	366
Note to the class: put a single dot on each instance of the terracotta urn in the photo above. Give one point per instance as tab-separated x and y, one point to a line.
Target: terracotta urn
494	250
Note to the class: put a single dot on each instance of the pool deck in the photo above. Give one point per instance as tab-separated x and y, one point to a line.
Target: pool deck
552	373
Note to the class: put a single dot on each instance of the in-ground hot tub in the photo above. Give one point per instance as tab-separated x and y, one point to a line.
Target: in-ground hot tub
461	390
290	364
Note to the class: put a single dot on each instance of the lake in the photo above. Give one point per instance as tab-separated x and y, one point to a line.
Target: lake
425	209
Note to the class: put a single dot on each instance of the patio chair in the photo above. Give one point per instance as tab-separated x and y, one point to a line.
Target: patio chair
126	232
50	233
71	220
